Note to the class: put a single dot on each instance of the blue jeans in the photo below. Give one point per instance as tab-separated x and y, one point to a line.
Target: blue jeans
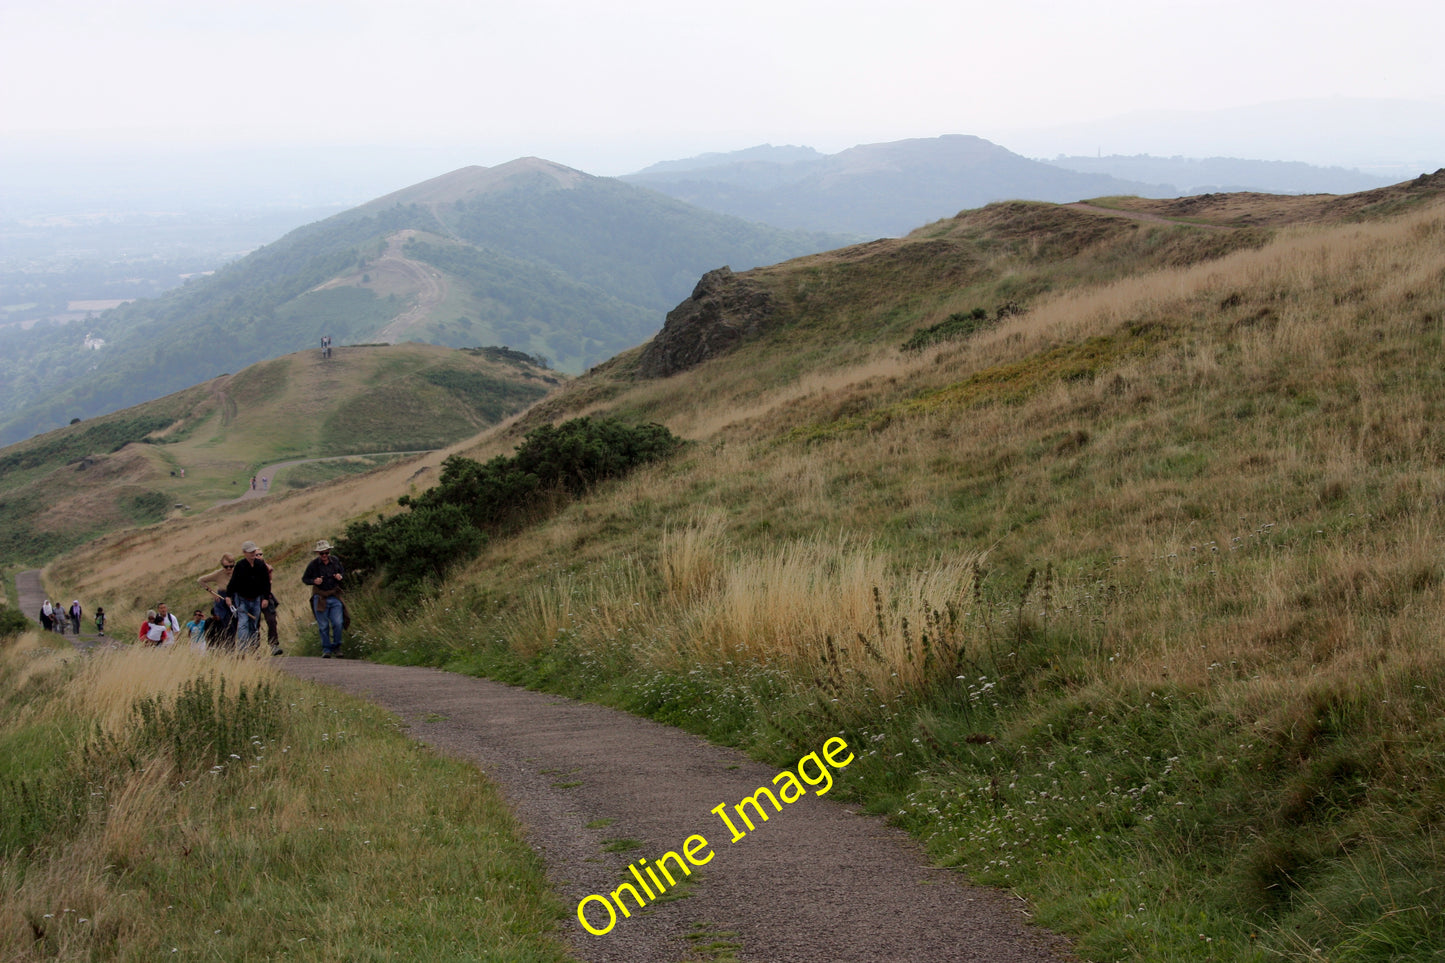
248	622
328	622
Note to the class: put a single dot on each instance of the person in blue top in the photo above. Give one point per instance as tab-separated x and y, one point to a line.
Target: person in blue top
196	628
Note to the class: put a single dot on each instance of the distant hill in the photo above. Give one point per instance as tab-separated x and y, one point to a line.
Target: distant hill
873	189
1194	175
1392	137
530	255
201	445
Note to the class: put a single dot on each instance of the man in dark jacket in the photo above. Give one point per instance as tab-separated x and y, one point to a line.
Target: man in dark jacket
324	575
249	588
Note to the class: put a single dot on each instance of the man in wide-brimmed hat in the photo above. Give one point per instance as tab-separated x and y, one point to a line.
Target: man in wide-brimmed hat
324	574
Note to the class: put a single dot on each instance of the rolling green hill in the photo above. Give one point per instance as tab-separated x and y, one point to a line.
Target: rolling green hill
1111	531
1115	538
184	452
529	255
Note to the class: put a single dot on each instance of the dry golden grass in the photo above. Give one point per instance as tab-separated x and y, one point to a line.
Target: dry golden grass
1312	296
33	654
109	683
286	847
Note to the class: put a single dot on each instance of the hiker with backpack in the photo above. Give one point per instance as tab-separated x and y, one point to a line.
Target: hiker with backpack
172	624
221	626
323	576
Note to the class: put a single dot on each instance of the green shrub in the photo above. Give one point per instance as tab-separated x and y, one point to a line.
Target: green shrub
959	326
474	500
12	622
203	727
147	507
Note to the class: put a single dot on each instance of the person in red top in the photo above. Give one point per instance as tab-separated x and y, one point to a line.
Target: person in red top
153	631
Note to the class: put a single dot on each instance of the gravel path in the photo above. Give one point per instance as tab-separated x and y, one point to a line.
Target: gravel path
268	472
1144	216
816	882
30	595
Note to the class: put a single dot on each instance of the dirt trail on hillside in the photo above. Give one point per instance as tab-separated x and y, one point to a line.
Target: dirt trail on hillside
1145	216
431	288
816	882
266	475
30	596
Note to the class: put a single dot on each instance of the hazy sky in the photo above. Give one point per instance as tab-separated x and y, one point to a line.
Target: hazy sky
611	87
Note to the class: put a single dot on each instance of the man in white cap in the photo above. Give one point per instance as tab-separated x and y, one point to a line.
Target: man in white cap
250	586
324	575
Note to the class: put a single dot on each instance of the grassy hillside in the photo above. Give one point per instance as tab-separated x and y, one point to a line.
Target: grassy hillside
1126	569
529	255
184	452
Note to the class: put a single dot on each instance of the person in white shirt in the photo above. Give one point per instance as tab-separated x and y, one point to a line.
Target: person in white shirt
172	624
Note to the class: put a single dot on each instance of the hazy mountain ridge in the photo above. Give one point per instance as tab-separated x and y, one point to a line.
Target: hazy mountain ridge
1391	137
571	274
1203	175
892	188
873	189
568	266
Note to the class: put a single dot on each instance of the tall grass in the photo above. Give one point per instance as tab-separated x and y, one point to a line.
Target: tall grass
158	803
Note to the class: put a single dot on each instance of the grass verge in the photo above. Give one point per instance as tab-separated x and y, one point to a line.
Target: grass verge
159	805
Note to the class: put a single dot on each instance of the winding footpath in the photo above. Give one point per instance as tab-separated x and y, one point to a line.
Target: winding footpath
815	883
30	595
268	472
1145	216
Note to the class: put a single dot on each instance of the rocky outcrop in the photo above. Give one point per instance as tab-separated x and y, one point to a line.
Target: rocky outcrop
724	311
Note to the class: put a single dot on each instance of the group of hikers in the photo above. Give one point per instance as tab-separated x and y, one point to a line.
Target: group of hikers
54	618
245	602
241	602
